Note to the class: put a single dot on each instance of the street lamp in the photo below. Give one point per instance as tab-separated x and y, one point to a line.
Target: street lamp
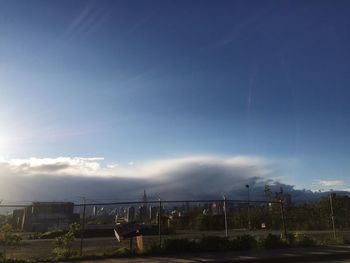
332	212
249	222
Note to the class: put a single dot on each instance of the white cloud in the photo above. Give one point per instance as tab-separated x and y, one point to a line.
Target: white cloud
74	176
51	166
112	165
92	167
330	183
186	177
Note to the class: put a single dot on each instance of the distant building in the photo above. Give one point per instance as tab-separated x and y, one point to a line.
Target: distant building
15	219
43	216
130	214
153	212
143	211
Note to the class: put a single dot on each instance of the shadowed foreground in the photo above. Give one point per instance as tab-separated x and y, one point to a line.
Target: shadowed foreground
329	253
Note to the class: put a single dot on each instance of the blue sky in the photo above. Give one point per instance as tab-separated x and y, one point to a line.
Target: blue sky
132	81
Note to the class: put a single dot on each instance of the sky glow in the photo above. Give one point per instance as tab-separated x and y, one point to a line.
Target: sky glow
139	82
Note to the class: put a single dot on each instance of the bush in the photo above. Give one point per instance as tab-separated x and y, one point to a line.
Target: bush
64	243
273	242
291	239
153	249
123	252
245	242
206	243
34	236
15	260
213	243
51	234
302	240
8	237
346	240
330	241
178	245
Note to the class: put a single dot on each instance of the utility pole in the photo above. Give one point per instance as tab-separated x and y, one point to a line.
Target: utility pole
225	214
160	222
249	221
283	219
82	228
332	214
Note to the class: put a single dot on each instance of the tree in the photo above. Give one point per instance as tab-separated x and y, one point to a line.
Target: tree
267	192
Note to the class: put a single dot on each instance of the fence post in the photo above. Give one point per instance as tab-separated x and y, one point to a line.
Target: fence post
249	219
82	228
160	222
225	214
283	219
332	216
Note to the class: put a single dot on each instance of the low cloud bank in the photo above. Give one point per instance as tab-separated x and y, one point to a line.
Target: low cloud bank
66	178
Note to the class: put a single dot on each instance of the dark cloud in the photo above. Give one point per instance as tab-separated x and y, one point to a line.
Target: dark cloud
185	178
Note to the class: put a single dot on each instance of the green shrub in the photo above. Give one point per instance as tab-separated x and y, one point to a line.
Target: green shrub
346	240
123	252
51	234
152	249
332	241
245	242
291	239
206	243
273	242
8	238
34	236
15	260
302	240
64	243
213	243
178	245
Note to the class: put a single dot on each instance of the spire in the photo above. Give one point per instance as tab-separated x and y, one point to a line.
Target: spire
144	198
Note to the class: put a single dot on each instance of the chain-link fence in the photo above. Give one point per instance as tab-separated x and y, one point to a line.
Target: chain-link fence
40	224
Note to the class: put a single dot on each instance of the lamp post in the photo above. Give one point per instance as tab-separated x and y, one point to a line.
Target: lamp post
160	222
332	213
82	227
225	216
249	222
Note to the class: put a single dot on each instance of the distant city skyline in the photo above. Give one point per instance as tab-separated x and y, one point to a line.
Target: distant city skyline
148	89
